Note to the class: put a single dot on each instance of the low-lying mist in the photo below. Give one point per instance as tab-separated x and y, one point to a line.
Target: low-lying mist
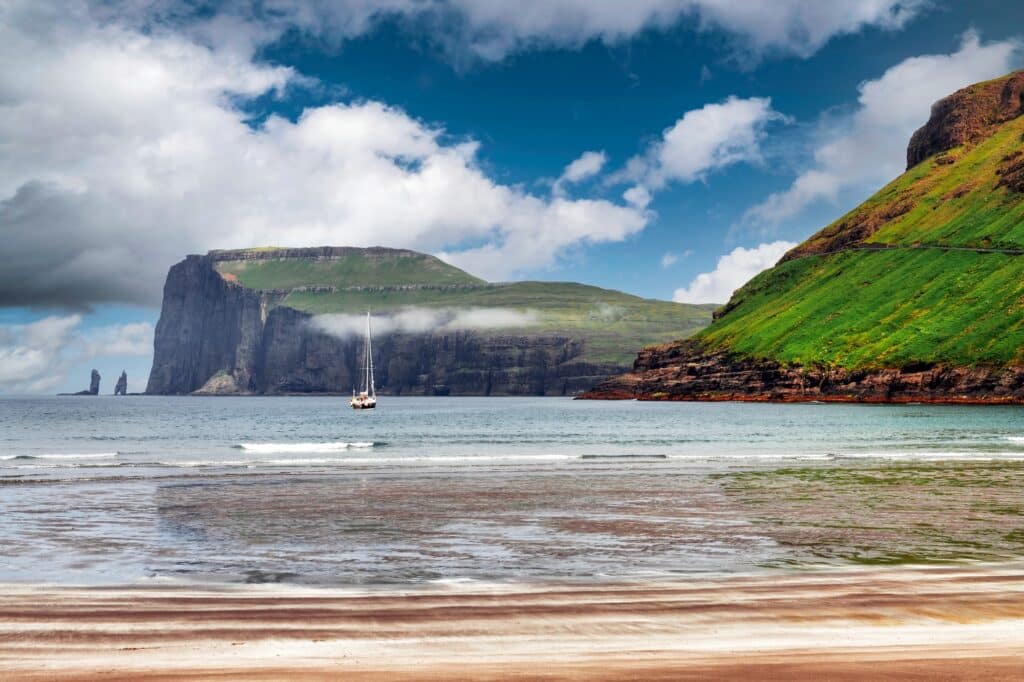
422	320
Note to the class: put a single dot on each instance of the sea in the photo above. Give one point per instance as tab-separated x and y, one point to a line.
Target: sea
304	490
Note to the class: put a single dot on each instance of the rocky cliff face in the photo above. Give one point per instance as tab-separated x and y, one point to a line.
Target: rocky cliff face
688	372
208	326
967	115
217	337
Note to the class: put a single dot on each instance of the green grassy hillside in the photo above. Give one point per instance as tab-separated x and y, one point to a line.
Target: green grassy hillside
614	324
928	270
359	267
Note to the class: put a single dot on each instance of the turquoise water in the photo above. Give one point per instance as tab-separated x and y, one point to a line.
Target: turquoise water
114	490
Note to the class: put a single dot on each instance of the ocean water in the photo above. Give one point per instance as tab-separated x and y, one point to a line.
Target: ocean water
305	490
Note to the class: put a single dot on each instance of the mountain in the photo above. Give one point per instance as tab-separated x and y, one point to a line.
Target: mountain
915	295
276	320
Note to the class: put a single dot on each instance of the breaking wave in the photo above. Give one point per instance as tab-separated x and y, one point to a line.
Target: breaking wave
89	455
271	448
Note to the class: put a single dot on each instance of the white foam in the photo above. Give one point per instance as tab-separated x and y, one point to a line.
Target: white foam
937	456
1016	439
747	456
85	455
271	448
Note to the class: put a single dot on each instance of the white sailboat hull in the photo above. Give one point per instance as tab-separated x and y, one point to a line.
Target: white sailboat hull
363	403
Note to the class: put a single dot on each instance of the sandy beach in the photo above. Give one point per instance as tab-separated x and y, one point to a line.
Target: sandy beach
910	623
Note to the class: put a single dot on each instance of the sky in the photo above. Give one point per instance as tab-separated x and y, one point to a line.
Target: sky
667	148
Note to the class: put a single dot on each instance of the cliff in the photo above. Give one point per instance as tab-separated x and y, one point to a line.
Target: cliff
281	321
915	295
966	116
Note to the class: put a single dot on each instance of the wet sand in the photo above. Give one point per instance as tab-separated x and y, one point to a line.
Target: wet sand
906	623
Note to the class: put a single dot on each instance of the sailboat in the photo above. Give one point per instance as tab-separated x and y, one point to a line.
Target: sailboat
367	398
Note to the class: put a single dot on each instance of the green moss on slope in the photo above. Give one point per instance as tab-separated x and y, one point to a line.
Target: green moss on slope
359	268
936	290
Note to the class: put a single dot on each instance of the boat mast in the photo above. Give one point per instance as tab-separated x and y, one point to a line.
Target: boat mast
369	360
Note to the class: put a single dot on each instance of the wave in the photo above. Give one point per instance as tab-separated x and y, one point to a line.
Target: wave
88	455
271	448
939	456
613	458
1016	439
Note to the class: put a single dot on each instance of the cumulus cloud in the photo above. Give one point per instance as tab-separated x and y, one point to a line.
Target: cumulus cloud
106	180
422	320
489	30
704	140
733	270
36	357
586	166
801	27
867	148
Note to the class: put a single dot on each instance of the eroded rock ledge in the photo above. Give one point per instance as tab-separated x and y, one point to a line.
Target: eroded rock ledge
685	371
967	115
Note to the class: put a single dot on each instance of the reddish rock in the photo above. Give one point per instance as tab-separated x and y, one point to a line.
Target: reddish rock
967	115
684	371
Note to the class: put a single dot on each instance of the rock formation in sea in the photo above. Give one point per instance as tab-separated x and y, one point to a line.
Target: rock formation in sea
122	384
914	296
94	385
242	322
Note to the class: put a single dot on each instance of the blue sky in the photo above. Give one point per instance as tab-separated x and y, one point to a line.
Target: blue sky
708	137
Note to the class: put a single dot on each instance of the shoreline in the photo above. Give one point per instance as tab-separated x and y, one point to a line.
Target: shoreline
960	622
613	395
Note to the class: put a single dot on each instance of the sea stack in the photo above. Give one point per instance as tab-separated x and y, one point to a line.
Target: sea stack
94	383
122	384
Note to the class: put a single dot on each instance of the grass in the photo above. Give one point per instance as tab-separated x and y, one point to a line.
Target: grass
358	269
893	308
612	324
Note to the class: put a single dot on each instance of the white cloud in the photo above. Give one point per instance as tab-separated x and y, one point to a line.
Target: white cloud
36	356
421	320
106	180
669	258
489	30
733	270
801	27
586	166
867	148
638	196
703	140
